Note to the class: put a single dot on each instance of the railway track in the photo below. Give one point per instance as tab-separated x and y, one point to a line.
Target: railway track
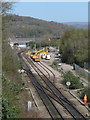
51	108
52	92
51	74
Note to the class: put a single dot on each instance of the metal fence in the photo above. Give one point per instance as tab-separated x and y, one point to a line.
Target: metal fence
82	72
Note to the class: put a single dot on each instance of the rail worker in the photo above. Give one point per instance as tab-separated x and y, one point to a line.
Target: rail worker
85	99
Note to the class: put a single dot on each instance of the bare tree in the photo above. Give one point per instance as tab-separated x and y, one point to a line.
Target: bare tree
5	7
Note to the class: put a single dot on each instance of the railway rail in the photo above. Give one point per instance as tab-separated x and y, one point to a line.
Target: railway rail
51	92
45	70
51	74
51	108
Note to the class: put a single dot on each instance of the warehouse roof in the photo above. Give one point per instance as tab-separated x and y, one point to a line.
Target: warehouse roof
20	40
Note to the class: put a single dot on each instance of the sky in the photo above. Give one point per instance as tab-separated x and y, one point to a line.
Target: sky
53	11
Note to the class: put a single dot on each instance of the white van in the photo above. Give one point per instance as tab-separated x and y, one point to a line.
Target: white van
43	56
47	57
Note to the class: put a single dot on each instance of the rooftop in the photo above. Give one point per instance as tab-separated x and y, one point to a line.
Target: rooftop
21	40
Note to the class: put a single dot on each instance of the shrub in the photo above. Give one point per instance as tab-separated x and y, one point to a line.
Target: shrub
10	102
54	64
75	81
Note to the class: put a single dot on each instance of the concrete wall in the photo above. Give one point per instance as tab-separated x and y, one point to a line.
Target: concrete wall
82	72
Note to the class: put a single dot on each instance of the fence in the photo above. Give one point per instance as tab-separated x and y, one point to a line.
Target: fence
82	72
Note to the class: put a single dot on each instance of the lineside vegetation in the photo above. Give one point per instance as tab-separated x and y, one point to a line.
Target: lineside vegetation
74	46
12	83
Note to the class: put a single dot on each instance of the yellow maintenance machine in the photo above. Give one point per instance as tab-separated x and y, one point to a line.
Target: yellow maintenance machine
37	55
29	52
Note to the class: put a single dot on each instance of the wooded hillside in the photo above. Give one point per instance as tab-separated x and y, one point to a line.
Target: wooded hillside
30	27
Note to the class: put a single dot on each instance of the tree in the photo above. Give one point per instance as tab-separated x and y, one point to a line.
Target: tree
10	65
74	46
5	7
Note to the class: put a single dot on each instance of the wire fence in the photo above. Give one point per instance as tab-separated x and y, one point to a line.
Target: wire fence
82	72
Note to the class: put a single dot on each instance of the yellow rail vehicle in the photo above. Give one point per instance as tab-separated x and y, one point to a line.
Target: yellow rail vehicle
37	56
29	52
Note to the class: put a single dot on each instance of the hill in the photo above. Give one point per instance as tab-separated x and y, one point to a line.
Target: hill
22	26
83	25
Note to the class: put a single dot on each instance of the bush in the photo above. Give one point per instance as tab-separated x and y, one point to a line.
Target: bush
75	81
54	64
10	102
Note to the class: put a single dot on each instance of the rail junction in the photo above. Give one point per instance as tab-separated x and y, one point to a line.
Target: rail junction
51	97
